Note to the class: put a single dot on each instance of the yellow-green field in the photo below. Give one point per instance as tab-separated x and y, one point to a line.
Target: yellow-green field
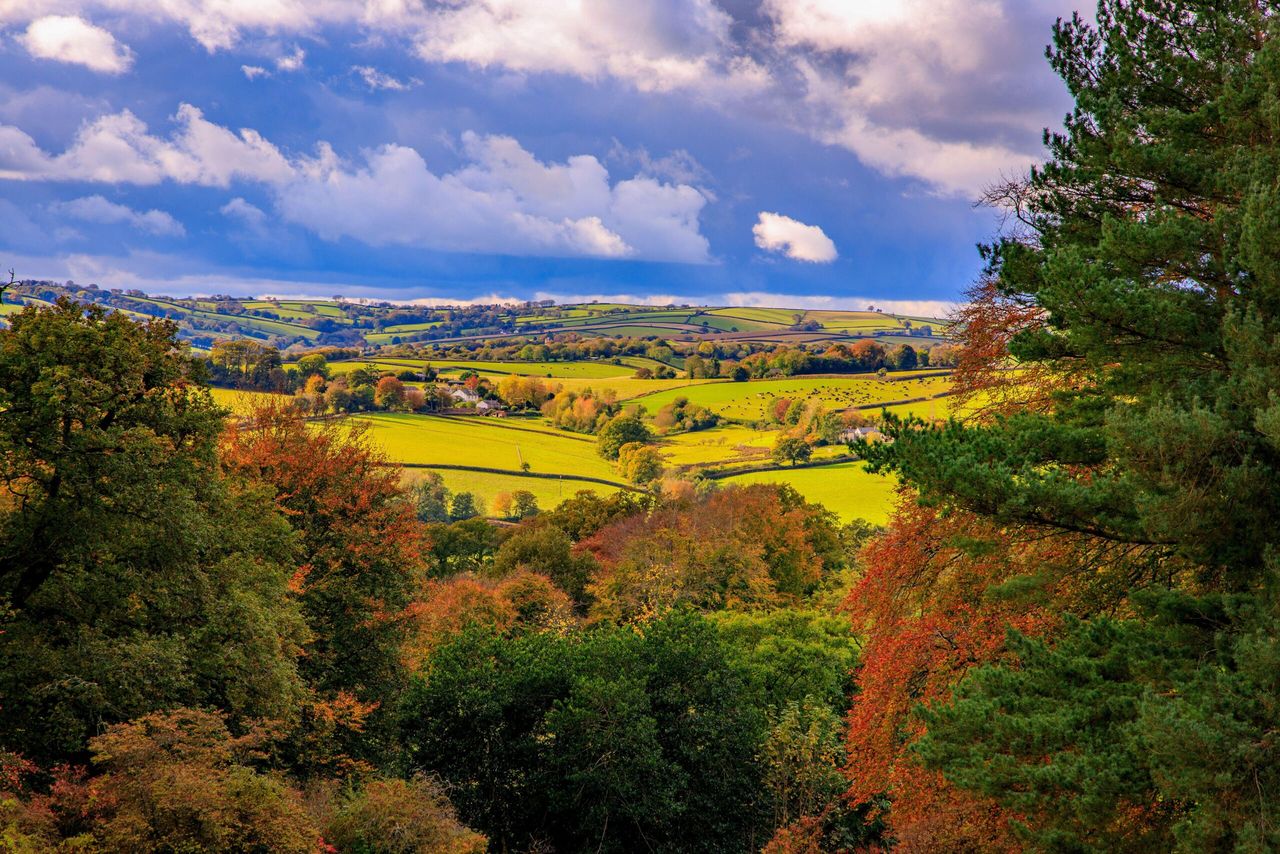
435	440
844	488
748	401
241	402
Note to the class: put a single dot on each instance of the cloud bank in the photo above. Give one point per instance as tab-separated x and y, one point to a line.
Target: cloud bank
503	200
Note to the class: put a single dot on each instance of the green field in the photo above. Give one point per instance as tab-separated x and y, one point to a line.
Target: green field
844	488
748	401
770	316
435	440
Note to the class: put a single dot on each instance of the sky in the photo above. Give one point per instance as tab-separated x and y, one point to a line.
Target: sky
800	153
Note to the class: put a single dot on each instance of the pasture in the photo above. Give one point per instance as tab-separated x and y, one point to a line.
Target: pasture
749	401
844	488
435	440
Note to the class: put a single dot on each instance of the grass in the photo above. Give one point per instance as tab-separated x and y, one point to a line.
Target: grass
844	488
435	440
485	486
629	388
243	402
773	316
748	401
717	445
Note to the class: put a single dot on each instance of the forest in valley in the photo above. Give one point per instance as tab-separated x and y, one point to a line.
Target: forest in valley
253	633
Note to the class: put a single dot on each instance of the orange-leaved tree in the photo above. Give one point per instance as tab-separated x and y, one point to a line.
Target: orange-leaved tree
361	544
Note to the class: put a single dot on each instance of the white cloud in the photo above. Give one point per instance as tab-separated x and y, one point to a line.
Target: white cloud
67	38
950	93
293	61
253	72
656	46
249	214
100	210
119	149
503	200
777	233
375	79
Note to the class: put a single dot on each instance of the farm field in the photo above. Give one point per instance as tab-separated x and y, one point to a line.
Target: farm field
748	401
628	388
241	402
590	370
844	488
486	485
435	440
716	445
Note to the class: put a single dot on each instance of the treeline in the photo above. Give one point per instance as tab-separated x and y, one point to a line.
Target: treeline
253	638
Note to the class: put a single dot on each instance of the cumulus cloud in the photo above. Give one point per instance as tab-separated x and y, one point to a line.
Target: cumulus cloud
777	233
502	200
119	149
247	213
71	39
253	72
100	210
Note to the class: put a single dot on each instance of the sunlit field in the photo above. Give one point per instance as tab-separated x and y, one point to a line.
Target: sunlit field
844	488
749	401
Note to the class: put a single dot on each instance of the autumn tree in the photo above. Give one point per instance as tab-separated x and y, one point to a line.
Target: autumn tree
361	540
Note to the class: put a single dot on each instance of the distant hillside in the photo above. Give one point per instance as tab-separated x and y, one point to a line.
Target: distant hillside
284	323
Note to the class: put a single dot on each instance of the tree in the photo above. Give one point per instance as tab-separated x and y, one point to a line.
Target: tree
139	575
401	816
639	463
590	741
622	430
180	781
545	549
389	393
463	507
502	505
524	504
791	449
1136	291
362	543
430	498
313	364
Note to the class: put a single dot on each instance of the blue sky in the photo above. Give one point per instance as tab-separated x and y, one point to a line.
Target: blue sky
770	152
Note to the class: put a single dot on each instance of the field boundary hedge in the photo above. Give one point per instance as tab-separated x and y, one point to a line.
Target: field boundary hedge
516	473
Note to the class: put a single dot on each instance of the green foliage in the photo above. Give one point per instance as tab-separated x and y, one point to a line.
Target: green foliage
431	498
790	655
141	577
1150	252
547	550
463	507
791	449
622	430
614	740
